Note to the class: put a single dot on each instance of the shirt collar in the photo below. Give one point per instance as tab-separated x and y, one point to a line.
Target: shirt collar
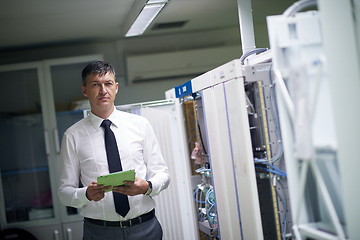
96	121
114	118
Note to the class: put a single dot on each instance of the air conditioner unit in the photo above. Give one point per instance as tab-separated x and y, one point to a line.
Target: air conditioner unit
178	64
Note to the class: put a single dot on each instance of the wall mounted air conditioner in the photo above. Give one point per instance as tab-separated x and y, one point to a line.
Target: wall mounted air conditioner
178	64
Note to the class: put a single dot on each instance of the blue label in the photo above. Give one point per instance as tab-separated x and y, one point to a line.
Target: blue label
183	90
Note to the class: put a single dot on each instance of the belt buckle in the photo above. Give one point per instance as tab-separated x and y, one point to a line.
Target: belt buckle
123	222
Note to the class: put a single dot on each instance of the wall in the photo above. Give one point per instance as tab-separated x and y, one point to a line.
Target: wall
115	52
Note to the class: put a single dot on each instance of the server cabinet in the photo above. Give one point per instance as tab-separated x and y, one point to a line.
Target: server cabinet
241	134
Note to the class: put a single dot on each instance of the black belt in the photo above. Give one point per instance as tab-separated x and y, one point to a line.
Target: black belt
122	224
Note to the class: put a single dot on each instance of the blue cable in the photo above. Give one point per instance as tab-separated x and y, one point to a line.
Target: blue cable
272	171
275	168
198	201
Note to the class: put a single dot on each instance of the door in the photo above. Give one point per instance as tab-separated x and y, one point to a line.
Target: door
25	180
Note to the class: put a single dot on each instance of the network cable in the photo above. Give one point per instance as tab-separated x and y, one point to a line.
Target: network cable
251	52
277	172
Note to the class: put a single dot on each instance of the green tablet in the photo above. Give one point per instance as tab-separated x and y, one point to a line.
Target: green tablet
116	178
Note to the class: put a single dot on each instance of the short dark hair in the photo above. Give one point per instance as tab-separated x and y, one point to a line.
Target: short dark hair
97	67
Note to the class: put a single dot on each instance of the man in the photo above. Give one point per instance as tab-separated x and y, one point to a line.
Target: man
85	156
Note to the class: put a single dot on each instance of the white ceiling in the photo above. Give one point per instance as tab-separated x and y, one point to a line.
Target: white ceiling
48	22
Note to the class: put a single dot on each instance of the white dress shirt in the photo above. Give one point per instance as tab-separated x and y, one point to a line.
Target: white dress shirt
83	157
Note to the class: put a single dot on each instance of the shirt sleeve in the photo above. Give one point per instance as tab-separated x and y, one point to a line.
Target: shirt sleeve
69	192
157	170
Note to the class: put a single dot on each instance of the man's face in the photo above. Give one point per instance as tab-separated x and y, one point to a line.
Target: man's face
101	90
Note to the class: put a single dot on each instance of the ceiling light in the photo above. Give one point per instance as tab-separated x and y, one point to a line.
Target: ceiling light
146	16
155	1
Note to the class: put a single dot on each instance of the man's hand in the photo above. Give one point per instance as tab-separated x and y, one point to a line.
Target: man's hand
139	186
96	192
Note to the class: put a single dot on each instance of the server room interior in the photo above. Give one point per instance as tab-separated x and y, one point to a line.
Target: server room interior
268	157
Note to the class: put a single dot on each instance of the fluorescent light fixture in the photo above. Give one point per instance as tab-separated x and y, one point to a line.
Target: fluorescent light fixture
155	1
146	16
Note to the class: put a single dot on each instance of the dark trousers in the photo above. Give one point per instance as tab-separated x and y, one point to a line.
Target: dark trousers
149	230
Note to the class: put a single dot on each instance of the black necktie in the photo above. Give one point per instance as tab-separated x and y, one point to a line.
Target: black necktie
121	201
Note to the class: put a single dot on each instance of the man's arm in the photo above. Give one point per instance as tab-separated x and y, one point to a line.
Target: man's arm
69	192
